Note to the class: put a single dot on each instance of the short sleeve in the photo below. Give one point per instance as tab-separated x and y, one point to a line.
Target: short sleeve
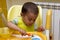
15	21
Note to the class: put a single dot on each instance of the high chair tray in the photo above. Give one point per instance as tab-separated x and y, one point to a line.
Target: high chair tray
16	36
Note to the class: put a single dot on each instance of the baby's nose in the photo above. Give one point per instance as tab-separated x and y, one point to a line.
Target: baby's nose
32	22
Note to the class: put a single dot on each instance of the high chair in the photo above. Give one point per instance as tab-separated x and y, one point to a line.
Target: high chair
14	12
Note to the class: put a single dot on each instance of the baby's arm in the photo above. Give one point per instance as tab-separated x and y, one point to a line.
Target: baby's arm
13	26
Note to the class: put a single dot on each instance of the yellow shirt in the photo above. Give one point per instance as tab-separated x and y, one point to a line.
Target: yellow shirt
22	25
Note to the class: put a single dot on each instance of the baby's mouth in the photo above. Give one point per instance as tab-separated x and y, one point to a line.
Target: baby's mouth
29	24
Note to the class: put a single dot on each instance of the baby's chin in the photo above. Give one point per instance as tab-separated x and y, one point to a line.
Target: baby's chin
29	25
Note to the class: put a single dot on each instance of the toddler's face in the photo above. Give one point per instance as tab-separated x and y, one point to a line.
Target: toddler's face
29	18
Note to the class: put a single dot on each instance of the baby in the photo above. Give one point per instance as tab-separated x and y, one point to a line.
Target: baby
25	23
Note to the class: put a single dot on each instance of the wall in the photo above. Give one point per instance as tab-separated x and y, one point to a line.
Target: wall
14	2
19	2
55	1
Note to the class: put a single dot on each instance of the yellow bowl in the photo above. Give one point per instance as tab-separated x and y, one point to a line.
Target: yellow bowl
40	34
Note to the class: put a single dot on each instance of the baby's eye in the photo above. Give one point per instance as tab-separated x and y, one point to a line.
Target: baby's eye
34	20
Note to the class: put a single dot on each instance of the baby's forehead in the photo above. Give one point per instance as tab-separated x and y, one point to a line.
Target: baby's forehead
32	11
32	15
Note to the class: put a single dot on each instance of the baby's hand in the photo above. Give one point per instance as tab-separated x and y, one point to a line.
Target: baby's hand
40	29
23	32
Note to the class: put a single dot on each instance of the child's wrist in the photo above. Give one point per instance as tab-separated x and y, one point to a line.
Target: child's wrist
20	30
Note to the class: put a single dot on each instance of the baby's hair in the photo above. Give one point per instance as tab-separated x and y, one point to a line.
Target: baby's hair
30	7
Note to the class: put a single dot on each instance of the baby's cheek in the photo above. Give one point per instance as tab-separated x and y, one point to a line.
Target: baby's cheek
27	22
